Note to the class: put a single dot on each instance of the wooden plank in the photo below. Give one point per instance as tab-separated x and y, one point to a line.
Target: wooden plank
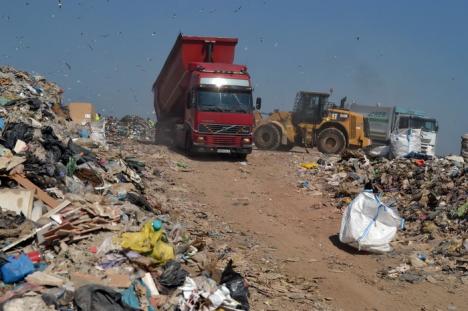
38	192
57	209
26	237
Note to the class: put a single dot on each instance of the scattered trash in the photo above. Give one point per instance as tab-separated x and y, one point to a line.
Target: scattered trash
131	127
45	279
309	165
150	240
173	275
237	285
379	151
16	269
97	297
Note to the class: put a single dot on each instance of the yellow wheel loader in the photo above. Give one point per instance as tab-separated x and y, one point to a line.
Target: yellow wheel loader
314	121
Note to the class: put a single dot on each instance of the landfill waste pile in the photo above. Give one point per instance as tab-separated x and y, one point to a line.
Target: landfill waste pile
16	85
131	127
84	225
431	195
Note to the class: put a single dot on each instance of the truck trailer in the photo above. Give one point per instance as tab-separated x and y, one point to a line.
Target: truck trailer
203	101
385	120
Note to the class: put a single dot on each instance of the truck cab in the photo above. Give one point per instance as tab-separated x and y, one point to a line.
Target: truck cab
385	120
203	101
428	126
219	115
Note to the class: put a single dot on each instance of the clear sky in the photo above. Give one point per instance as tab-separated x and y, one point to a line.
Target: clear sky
408	53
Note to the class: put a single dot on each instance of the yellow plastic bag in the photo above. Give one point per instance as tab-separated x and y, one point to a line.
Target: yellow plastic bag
162	252
148	241
309	165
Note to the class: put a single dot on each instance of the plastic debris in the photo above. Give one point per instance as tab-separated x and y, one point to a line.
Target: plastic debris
150	240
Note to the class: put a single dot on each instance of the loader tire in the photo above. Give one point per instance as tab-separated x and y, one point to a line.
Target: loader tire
267	137
331	141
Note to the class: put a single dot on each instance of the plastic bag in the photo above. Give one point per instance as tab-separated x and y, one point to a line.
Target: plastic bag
405	141
379	152
174	275
309	165
149	241
237	285
98	132
368	224
16	269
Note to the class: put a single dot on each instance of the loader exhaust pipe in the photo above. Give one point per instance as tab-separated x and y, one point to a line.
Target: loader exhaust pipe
343	102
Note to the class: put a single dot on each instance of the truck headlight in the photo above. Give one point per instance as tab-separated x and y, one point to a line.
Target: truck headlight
200	139
246	140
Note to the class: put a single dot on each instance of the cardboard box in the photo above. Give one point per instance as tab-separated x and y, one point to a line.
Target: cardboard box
82	112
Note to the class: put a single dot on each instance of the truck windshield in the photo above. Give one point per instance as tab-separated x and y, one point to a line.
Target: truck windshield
225	101
424	124
428	125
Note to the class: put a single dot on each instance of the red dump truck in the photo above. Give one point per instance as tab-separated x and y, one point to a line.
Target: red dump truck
203	101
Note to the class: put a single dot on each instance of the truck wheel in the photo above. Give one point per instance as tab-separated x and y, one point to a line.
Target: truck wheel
188	145
267	137
331	141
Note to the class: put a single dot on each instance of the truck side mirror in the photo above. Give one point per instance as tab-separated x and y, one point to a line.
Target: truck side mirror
258	103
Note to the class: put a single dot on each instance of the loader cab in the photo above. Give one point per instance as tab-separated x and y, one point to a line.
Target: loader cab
309	107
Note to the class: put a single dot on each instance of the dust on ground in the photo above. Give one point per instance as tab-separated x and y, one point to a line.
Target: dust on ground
283	229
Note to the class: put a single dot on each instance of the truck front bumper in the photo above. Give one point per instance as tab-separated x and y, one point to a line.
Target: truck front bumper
222	144
222	149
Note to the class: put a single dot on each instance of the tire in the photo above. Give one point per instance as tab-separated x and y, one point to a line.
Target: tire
267	137
331	141
188	145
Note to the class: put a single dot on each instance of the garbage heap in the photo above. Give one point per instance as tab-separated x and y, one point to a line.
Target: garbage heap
131	127
430	194
79	228
16	84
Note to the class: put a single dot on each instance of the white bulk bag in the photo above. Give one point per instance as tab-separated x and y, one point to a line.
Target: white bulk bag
368	224
405	141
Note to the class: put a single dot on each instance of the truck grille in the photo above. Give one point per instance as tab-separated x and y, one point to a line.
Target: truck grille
425	141
223	140
223	129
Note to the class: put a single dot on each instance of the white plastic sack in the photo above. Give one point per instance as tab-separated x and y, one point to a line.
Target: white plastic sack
98	132
379	152
368	224
405	141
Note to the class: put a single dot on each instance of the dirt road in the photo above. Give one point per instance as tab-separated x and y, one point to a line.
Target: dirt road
261	199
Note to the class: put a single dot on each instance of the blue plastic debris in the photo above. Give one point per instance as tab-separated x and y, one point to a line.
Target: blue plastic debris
16	269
